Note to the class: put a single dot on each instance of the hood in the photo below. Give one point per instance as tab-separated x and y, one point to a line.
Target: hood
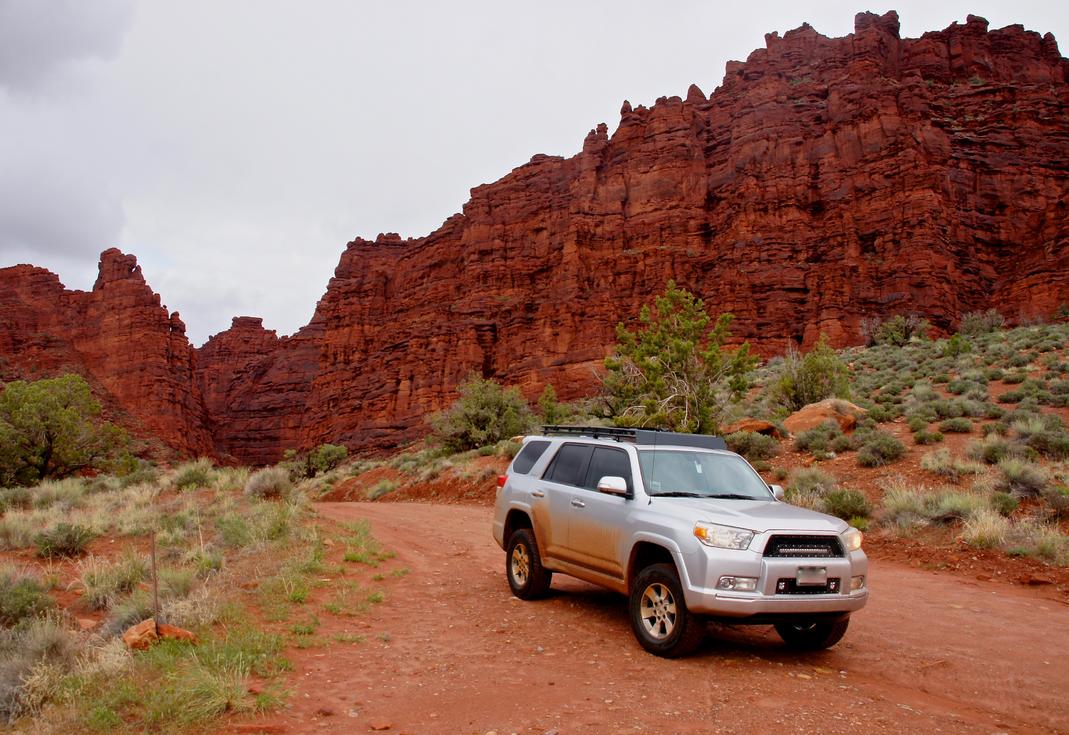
755	515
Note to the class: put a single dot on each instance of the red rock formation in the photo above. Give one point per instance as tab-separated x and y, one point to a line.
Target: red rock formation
134	354
827	180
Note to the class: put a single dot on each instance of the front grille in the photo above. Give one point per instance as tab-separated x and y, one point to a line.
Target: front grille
812	547
788	586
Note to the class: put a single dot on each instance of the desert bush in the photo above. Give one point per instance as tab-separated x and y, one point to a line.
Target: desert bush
956	346
22	596
981	322
194	474
986	529
485	413
897	331
381	488
127	611
880	448
916	423
942	463
63	539
927	437
1004	503
993	449
817	375
675	370
955	426
752	445
1056	498
15	498
818	438
1021	477
43	648
550	410
270	482
846	504
1014	378
326	457
102	581
903	504
51	428
809	486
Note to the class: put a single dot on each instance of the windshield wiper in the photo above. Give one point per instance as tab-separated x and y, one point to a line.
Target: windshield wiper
678	494
733	496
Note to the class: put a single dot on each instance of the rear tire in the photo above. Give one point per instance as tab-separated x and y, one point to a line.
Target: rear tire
528	579
659	615
813	635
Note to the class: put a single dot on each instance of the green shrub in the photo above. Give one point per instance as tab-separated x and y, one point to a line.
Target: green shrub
326	457
1057	499
1014	378
484	414
817	375
817	438
1021	477
752	445
992	449
1004	503
981	322
897	331
63	539
194	474
879	449
916	423
956	346
22	597
956	426
270	482
809	486
381	488
846	504
927	437
51	428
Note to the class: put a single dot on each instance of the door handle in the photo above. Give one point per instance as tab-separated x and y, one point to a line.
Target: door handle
538	493
577	503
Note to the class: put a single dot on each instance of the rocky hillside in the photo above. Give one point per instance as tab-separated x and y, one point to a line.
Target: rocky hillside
825	181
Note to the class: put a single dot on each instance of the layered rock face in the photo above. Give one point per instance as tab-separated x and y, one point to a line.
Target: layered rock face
118	336
827	180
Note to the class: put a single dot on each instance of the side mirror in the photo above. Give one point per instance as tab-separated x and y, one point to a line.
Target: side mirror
777	490
612	485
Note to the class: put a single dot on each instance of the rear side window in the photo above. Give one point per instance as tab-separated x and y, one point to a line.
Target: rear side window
569	466
607	462
527	457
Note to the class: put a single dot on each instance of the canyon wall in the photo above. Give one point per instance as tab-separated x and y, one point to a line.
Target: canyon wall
825	181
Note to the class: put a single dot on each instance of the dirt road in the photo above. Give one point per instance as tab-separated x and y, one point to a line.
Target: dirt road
451	651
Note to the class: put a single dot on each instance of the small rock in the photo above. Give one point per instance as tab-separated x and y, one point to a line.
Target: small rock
1035	580
380	725
325	712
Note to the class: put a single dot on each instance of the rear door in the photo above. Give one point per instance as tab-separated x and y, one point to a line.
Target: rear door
560	482
598	520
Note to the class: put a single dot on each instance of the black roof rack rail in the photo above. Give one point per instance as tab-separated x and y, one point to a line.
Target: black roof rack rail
638	436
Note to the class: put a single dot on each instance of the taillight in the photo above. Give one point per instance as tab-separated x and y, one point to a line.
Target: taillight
501	479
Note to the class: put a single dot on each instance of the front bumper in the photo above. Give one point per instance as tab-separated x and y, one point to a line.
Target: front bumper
705	567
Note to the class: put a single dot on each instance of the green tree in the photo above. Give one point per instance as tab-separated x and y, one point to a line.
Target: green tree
485	413
817	375
674	371
51	428
552	412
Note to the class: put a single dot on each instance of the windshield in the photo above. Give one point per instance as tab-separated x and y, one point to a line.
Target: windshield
690	473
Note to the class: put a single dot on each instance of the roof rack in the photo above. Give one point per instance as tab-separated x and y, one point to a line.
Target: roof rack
639	436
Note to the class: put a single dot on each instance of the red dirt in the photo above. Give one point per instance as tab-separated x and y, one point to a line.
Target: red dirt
451	651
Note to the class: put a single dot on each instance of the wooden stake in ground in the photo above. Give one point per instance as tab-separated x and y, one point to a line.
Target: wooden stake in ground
155	584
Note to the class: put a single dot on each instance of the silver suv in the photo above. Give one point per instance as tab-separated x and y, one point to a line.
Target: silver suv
686	529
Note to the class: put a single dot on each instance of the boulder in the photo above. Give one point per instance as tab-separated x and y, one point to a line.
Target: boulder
758	426
141	636
844	413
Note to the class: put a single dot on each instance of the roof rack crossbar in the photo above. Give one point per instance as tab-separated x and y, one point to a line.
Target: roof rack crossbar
639	436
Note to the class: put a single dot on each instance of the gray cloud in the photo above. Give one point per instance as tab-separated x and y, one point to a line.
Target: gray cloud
39	38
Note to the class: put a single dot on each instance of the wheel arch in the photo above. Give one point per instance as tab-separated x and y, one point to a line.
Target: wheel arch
515	520
646	552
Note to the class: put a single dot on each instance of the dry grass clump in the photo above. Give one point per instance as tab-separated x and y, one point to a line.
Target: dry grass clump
942	463
272	482
102	582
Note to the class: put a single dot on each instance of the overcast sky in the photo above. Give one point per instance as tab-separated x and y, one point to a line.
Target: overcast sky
235	147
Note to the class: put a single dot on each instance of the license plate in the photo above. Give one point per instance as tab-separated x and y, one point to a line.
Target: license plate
812	576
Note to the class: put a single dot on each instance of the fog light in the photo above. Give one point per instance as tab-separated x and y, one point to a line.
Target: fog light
738	584
857	583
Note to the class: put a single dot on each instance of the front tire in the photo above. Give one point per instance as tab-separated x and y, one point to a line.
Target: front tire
813	635
659	615
528	579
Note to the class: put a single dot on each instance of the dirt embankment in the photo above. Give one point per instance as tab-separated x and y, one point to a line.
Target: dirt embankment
451	651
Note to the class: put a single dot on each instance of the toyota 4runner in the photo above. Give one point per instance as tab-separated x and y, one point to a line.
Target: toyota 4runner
686	529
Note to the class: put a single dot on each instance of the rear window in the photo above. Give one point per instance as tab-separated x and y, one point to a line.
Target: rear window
527	457
569	466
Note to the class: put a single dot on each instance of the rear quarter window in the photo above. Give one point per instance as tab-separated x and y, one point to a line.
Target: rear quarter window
530	454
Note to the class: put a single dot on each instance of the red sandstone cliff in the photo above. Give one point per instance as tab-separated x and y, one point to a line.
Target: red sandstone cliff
118	336
826	180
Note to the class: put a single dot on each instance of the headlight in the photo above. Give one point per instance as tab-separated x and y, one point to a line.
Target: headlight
722	537
851	539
